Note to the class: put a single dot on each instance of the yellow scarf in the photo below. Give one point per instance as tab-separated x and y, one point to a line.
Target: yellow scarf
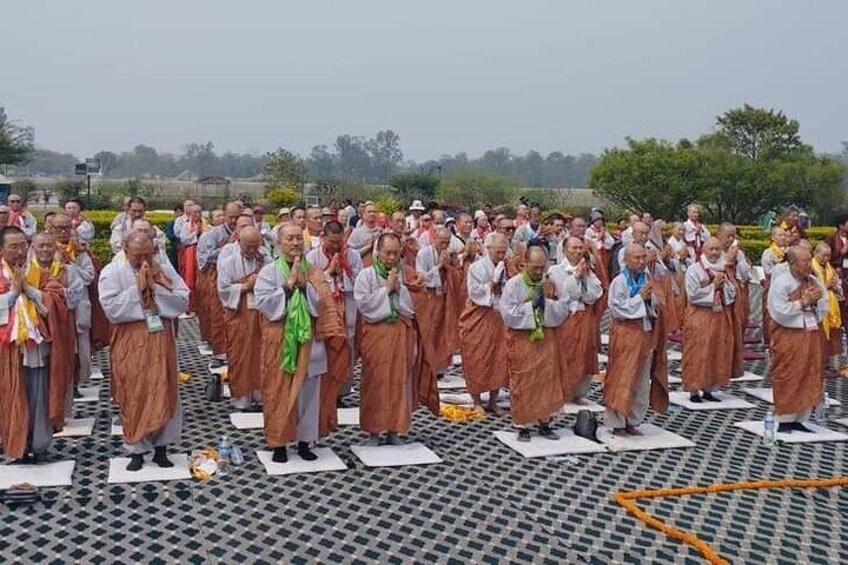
25	318
777	251
33	274
833	319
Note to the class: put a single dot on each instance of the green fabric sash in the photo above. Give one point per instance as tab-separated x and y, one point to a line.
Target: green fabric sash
383	272
298	320
537	334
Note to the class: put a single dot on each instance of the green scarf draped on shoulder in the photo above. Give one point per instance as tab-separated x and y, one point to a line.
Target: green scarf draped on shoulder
383	272
537	333
298	330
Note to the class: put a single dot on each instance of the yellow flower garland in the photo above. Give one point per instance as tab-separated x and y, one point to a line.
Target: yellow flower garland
627	501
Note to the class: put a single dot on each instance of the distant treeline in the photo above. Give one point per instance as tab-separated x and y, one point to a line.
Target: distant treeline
365	159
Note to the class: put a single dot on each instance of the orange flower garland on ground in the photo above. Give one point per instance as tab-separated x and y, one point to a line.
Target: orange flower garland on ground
627	501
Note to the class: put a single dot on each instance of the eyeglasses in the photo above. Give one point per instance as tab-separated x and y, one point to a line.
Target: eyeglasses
13	201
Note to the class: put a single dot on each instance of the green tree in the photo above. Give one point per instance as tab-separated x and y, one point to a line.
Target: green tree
411	185
284	169
473	188
649	176
16	142
755	133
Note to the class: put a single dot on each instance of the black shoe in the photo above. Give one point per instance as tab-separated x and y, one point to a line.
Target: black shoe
160	457
304	452
546	432
785	427
802	428
280	455
217	363
253	409
695	397
524	435
633	431
136	463
708	396
27	459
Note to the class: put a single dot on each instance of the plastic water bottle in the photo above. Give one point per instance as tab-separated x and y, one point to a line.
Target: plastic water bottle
769	429
821	409
223	456
236	456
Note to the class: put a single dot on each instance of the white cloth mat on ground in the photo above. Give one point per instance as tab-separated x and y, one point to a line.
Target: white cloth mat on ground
150	471
451	382
55	474
204	350
603	358
414	453
653	437
821	433
80	427
604	339
96	374
567	444
348	416
89	394
327	461
675	355
222	370
116	430
575	408
464	399
842	421
248	420
728	402
767	395
226	392
456	359
747	377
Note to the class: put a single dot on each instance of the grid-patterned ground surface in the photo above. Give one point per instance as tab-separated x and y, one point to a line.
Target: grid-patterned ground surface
484	504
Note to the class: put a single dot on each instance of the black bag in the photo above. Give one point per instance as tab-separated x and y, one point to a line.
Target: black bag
214	389
586	426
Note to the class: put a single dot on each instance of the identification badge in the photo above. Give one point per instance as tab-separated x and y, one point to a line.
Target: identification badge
251	301
845	263
810	323
154	321
4	312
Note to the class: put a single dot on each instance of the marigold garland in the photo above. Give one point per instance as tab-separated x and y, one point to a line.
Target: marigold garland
627	501
456	413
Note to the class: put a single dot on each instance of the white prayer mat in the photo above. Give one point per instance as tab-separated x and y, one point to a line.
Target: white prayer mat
570	408
675	355
150	472
89	394
116	430
747	377
348	416
77	428
248	420
56	474
602	358
451	382
842	421
821	433
204	350
568	443
767	395
226	392
728	402
653	437
222	370
414	453
186	316
327	461
465	399
96	374
456	359
604	339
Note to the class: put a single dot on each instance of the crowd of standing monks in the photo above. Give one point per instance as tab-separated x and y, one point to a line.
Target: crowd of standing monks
290	310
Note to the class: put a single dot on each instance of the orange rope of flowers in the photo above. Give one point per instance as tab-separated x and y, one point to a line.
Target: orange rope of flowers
627	501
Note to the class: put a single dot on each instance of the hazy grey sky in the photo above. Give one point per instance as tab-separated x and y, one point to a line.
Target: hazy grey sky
448	76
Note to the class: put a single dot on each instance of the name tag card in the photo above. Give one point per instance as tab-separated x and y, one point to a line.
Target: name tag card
154	321
810	322
251	301
4	312
845	263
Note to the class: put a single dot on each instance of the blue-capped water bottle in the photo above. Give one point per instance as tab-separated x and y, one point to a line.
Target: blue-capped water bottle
769	429
223	456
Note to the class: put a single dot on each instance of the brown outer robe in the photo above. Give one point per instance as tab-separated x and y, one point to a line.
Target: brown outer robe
537	389
144	383
577	348
279	389
61	333
243	355
482	334
707	347
100	328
